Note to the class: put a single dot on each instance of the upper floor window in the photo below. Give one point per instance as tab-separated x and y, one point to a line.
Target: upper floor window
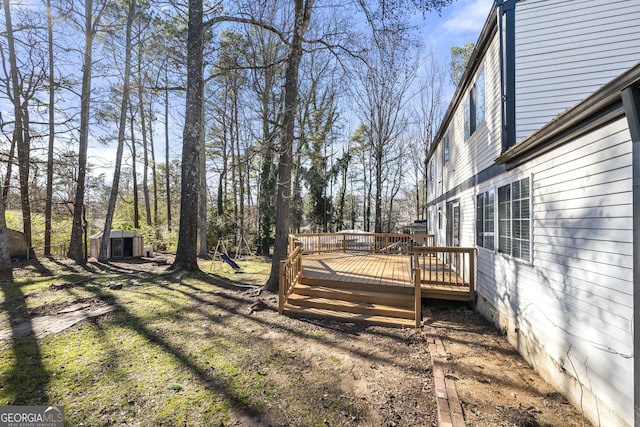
514	219
474	105
445	148
432	176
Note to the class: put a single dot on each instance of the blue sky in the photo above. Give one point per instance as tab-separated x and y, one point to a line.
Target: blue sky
458	24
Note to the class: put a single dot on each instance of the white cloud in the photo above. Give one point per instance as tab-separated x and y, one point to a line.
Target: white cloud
468	16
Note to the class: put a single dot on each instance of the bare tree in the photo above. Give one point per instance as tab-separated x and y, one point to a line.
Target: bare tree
382	94
301	19
91	22
428	110
186	258
104	255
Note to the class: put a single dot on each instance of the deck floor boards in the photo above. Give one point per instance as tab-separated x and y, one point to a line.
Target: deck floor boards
354	267
377	269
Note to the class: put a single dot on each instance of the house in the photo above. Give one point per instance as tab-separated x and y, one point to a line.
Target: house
537	164
122	244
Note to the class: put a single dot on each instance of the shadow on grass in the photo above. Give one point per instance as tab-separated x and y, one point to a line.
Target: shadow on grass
237	303
126	319
26	382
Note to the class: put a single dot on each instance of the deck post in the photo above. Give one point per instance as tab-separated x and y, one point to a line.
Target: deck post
418	295
281	292
472	274
299	269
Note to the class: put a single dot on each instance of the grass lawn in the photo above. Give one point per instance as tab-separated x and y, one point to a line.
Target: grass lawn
168	355
176	351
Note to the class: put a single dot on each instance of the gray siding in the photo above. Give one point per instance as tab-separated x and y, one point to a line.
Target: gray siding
567	50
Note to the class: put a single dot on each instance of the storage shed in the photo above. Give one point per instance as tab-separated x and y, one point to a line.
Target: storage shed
122	244
18	245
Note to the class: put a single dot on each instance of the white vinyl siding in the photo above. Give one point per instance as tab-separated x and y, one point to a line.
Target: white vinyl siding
468	157
557	69
575	298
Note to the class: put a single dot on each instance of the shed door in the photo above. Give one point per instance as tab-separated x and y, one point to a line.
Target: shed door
117	248
128	247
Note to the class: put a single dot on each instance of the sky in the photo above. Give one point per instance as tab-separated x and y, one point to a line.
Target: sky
458	24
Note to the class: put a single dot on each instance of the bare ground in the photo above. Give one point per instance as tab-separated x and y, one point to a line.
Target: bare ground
349	374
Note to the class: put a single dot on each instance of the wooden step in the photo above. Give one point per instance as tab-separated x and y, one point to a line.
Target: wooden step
354	295
349	317
359	307
339	284
450	294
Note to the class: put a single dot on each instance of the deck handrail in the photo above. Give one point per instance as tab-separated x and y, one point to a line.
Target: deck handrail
364	242
450	266
290	274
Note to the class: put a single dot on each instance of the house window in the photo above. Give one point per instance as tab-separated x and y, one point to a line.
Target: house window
474	106
445	148
432	176
485	225
514	219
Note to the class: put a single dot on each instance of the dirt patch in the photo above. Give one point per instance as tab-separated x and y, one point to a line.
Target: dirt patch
495	385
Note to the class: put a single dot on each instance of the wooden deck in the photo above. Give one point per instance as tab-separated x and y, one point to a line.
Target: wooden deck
337	268
372	278
358	267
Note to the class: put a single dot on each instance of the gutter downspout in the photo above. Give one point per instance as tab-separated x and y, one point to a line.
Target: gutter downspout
506	18
631	102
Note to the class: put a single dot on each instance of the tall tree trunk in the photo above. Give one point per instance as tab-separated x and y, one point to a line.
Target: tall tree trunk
167	173
13	71
234	160
241	194
5	255
134	172
204	249
378	207
104	255
7	177
154	173
145	154
24	168
302	16
75	245
18	132
48	206
188	235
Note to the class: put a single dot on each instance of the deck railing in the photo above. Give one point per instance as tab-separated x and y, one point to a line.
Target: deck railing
447	266
388	243
290	274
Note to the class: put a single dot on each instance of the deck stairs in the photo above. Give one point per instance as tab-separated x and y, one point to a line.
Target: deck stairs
353	302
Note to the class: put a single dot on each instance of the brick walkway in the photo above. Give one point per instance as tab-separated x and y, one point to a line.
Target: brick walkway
449	407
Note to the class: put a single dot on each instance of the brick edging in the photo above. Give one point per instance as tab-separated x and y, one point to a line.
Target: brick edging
449	408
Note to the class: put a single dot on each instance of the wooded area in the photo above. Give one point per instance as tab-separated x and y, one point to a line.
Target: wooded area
251	119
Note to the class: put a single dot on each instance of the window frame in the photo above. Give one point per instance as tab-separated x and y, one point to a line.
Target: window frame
446	148
483	235
475	104
511	239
